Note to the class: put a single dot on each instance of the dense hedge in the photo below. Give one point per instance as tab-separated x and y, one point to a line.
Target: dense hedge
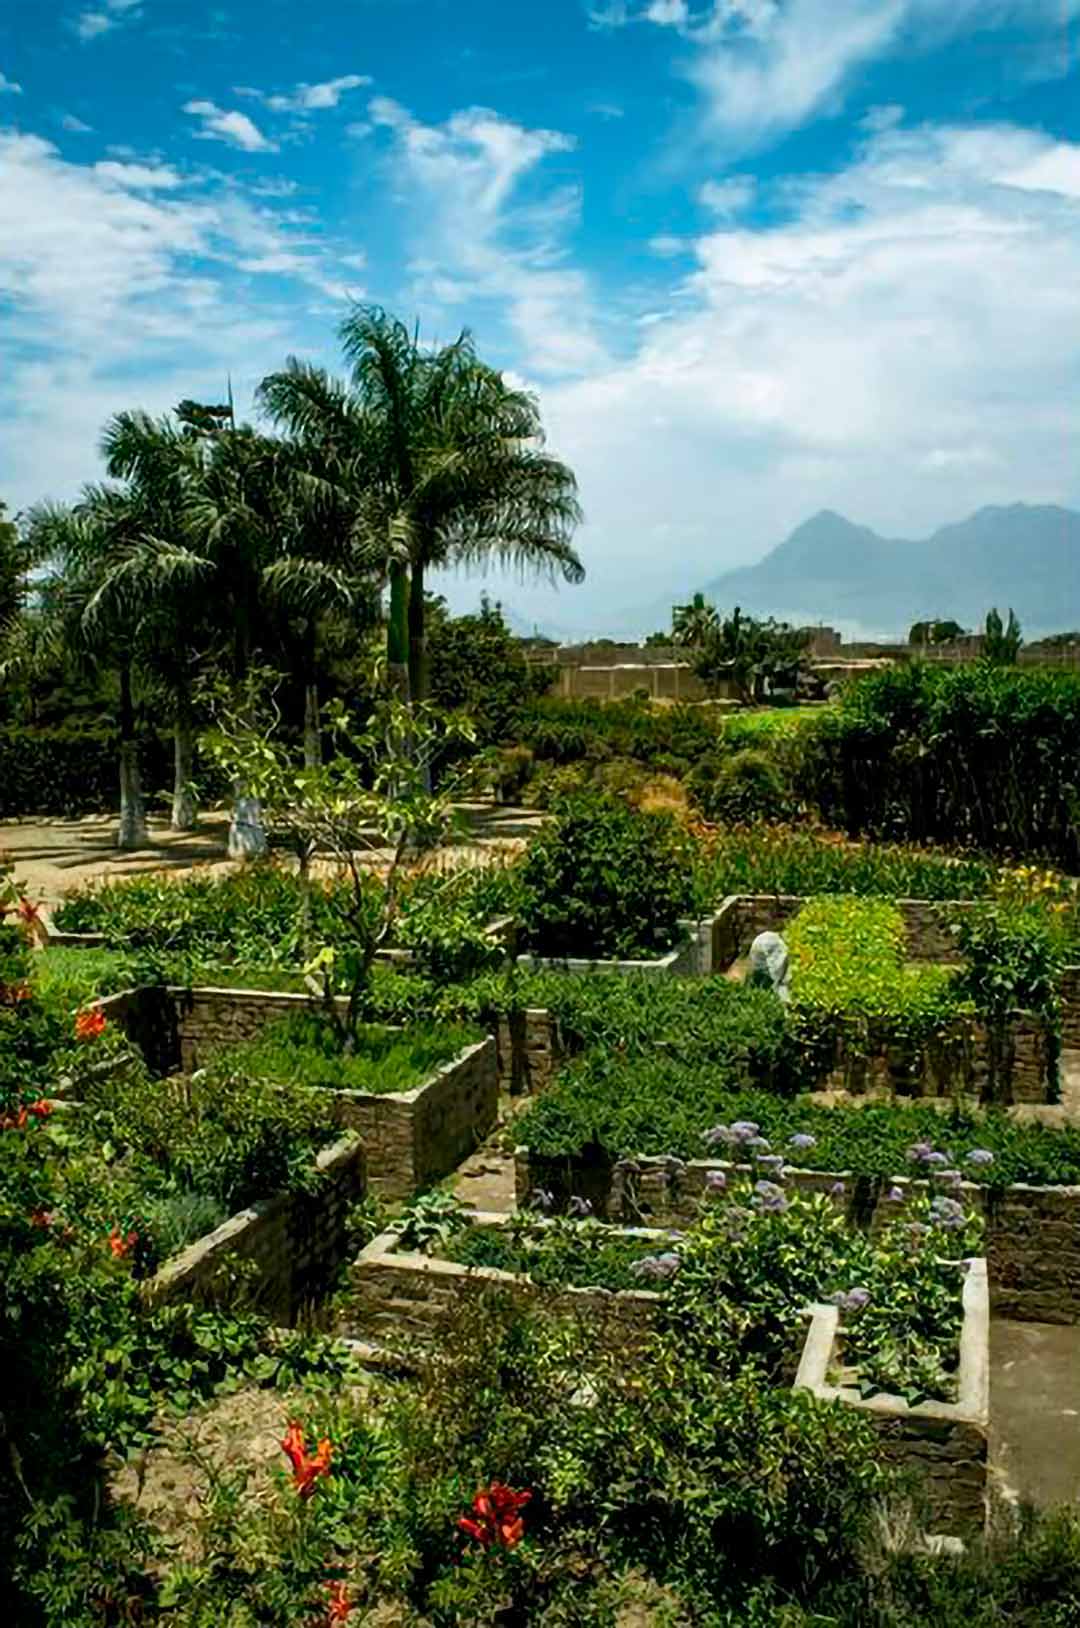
66	772
981	755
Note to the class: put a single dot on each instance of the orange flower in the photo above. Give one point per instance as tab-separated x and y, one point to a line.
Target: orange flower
28	912
306	1468
122	1244
89	1025
41	1109
340	1609
496	1518
42	1219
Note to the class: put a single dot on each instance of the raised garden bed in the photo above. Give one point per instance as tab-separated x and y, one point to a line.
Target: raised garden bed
294	1244
944	1444
1032	1233
694	956
402	1293
927	924
412	1138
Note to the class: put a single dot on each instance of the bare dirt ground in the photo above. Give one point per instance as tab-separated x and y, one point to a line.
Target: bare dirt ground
52	856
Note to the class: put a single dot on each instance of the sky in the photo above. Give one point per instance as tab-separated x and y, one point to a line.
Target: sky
755	257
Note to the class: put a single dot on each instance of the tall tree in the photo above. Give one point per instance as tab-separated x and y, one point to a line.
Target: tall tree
438	463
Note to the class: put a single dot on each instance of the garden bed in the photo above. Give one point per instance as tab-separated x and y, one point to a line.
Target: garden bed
944	1444
295	1241
1032	1232
694	956
927	924
398	1292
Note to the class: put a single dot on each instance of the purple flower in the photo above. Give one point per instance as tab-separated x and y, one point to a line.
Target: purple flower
895	1195
802	1140
716	1181
579	1207
850	1299
837	1190
744	1129
937	1159
541	1199
656	1267
981	1156
757	1145
717	1134
773	1163
770	1198
946	1212
919	1152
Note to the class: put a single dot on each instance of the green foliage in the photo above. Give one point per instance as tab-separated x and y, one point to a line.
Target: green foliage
751	652
801	861
981	755
743	786
1013	956
556	1254
603	1108
476	665
602	879
935	632
303	1050
1002	640
70	769
852	990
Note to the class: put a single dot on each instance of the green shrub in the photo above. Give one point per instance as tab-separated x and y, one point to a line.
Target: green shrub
778	859
746	785
981	755
605	880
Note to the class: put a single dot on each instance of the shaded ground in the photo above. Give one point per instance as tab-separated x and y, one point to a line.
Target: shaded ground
53	856
1035	1412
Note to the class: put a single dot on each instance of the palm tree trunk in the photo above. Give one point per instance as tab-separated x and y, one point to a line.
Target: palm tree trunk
247	835
418	669
312	731
132	832
397	632
184	812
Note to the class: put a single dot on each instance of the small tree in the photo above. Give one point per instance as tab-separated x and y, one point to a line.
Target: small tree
747	650
367	808
1002	641
935	632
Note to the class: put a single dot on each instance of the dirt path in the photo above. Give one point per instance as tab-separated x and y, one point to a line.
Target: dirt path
52	856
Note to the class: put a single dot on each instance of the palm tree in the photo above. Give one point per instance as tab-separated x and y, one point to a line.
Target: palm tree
695	623
98	629
437	462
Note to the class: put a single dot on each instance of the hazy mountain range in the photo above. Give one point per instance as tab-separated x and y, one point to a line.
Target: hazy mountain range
830	570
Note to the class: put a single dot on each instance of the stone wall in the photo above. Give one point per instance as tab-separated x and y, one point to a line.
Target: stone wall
1070	1008
295	1243
400	1295
413	1138
1032	1233
926	922
529	1051
695	956
944	1444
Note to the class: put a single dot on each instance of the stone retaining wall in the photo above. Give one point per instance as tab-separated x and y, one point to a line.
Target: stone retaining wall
944	1444
1070	1008
399	1294
530	1050
1032	1233
967	1061
695	956
412	1138
742	916
296	1242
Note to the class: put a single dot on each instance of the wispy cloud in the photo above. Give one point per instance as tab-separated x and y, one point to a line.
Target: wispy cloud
476	239
8	87
729	197
77	127
234	127
98	20
305	98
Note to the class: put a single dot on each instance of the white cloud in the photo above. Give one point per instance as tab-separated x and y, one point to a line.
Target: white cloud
8	87
904	348
475	239
307	98
667	13
234	128
727	198
606	110
69	122
170	288
91	24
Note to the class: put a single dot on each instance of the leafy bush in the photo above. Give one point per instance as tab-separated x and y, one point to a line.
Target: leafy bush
981	755
1013	956
604	880
745	785
303	1050
778	859
604	1108
71	771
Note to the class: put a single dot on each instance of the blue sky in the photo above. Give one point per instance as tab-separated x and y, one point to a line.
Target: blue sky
757	257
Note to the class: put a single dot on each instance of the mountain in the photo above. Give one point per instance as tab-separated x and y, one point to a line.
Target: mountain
831	571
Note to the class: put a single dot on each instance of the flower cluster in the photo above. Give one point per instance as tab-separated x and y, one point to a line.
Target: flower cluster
24	1113
657	1268
496	1520
306	1467
90	1025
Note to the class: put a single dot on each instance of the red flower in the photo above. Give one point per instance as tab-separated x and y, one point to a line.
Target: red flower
340	1609
121	1243
42	1218
497	1516
33	1110
89	1025
41	1109
28	912
306	1468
